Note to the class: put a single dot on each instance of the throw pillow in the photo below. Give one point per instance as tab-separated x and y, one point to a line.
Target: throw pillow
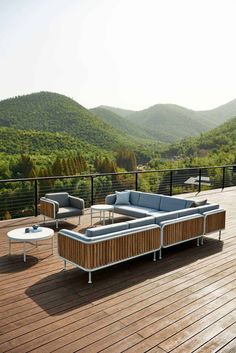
122	198
199	203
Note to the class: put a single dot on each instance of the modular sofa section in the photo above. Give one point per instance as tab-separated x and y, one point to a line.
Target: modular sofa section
90	254
181	229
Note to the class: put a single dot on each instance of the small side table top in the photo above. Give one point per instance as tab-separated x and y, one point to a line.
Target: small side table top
103	207
19	235
39	234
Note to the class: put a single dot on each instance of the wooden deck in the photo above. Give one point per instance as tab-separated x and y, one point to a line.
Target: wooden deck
184	303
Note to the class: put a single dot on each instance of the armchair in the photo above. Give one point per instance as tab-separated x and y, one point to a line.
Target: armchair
61	205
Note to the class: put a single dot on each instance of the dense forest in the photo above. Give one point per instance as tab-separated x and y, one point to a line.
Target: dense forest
46	134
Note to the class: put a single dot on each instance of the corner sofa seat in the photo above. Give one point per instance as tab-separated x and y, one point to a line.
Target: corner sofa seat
160	221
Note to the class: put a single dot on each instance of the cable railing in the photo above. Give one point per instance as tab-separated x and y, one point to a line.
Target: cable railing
20	197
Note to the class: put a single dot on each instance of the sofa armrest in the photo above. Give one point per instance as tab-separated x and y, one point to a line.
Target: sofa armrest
214	220
76	202
48	207
110	199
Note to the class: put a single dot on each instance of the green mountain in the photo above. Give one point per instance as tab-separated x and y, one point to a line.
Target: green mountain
52	112
119	111
214	147
169	122
120	123
220	114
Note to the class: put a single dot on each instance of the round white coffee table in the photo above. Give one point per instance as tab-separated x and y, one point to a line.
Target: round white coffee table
102	209
20	236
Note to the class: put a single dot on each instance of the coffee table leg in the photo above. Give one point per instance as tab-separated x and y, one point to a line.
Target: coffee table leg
9	246
91	215
104	217
24	251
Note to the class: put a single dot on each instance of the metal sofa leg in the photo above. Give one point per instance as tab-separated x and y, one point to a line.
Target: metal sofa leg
201	240
64	265
90	277
79	221
154	256
160	255
198	242
56	223
220	234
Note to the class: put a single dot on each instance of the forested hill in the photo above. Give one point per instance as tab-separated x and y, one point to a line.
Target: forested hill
169	122
121	123
217	146
52	112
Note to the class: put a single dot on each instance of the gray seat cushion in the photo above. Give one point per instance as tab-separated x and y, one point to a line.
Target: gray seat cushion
68	211
132	211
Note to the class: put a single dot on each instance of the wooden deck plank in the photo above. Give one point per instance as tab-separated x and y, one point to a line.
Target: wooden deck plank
188	297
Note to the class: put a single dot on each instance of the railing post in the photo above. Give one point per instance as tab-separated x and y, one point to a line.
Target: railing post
199	180
36	197
136	181
223	178
171	182
92	193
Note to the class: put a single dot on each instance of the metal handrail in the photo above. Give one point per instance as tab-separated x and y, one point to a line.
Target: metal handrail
169	180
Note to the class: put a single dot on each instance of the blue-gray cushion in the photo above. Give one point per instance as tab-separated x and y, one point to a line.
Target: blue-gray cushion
134	197
165	216
93	232
149	200
65	212
61	197
141	222
110	199
170	203
122	198
202	209
131	211
187	212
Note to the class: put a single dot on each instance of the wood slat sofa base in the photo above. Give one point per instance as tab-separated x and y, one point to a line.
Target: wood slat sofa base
178	232
215	222
91	256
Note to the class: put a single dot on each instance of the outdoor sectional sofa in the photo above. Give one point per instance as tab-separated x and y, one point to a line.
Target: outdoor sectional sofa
160	222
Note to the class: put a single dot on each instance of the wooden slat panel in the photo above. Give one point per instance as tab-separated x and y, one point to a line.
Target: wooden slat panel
47	209
91	256
181	231
215	222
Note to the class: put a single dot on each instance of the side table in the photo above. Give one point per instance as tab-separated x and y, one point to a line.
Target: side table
102	209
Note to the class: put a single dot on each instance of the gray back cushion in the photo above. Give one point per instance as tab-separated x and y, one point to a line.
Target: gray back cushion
112	228
61	197
134	197
149	200
165	217
169	203
187	212
206	208
141	222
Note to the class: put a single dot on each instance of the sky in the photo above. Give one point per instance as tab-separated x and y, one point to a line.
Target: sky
130	54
